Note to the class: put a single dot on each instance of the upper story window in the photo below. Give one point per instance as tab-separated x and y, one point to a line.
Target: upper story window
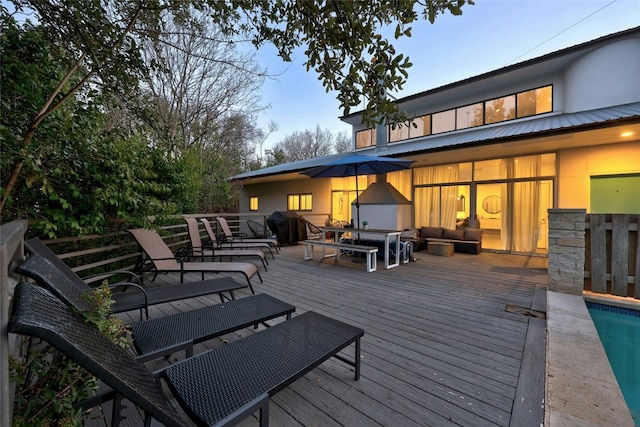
509	107
536	101
365	138
469	116
300	202
399	132
253	203
500	109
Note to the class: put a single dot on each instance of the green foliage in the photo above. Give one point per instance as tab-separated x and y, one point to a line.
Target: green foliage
63	77
78	173
48	384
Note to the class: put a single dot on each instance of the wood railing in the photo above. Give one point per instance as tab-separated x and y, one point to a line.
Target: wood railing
612	254
11	238
92	254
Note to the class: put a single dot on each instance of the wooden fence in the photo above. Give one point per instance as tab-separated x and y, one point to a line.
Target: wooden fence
612	254
92	254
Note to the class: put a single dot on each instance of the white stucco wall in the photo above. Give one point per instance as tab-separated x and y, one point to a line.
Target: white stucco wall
603	77
576	166
273	196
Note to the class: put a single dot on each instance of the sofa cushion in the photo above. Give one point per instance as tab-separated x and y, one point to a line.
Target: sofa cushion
453	234
473	234
434	232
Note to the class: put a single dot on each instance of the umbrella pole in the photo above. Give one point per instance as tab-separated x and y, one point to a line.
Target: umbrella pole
357	204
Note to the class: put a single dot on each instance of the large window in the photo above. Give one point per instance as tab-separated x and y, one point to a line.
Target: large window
508	107
300	202
508	198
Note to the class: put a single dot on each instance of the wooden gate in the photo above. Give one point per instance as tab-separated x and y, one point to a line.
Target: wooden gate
612	254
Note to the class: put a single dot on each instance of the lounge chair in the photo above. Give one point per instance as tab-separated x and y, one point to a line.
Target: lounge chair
234	244
217	387
198	250
163	260
163	336
134	296
229	236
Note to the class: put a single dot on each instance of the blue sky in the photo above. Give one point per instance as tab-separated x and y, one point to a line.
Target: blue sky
489	35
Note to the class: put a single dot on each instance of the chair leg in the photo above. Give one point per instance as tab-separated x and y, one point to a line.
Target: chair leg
250	285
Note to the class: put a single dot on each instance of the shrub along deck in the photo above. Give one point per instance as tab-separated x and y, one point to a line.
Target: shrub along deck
448	341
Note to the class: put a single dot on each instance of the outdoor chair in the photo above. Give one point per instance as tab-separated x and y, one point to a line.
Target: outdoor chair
127	296
197	249
162	259
234	244
313	232
165	335
258	231
229	236
217	387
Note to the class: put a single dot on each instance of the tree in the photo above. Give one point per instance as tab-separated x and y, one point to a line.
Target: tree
342	143
79	171
341	40
196	79
306	144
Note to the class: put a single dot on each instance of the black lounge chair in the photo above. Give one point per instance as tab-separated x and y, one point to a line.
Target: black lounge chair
218	387
163	336
230	237
234	244
134	297
198	250
163	260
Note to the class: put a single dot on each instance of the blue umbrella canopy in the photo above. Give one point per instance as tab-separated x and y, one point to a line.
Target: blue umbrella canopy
358	164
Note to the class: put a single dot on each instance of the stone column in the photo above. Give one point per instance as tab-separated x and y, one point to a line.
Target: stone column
566	250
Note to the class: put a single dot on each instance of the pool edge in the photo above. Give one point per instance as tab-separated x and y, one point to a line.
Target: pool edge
581	388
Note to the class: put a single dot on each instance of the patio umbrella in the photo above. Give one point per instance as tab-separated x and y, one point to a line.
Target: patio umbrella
358	164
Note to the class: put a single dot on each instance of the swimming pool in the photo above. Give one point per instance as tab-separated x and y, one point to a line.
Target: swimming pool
619	331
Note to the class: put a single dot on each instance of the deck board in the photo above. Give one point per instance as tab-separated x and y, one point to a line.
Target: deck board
439	347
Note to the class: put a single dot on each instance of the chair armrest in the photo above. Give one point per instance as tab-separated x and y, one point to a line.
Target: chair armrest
135	286
106	274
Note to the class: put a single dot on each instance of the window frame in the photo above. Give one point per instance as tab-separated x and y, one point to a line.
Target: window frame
300	202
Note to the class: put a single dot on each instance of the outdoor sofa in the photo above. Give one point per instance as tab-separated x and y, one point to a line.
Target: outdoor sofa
465	241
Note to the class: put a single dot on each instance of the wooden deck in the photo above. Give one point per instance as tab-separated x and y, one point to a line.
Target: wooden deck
449	341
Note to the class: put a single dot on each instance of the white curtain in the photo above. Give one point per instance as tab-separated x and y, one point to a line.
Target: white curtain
427	207
521	206
401	180
436	205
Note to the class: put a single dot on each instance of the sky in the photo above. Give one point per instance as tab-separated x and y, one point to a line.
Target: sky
487	36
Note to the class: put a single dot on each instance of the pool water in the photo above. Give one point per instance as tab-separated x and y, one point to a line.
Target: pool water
619	331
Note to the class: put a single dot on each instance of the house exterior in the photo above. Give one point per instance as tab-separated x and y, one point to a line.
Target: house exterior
497	150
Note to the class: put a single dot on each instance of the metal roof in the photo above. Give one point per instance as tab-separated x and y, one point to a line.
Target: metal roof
500	132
